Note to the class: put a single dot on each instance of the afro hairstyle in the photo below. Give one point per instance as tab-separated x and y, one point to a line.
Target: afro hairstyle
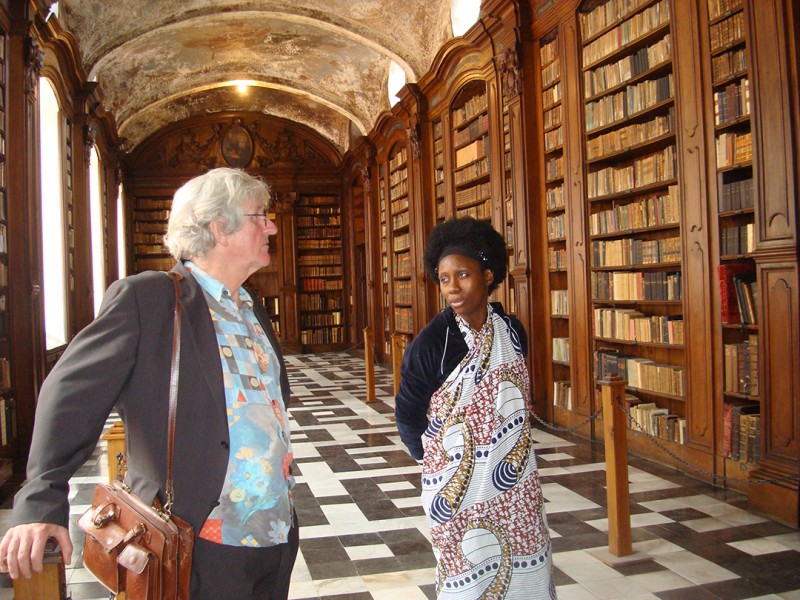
479	236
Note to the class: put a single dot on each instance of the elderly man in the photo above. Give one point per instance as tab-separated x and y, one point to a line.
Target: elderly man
232	452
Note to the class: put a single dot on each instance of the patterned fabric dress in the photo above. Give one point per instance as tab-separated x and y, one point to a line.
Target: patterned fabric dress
481	488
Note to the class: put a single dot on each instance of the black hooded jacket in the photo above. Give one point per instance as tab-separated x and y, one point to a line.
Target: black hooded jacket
428	360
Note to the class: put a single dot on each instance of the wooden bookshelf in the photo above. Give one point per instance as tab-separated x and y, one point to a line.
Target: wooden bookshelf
633	208
150	219
470	140
8	420
400	239
386	305
736	272
507	293
555	220
438	170
320	296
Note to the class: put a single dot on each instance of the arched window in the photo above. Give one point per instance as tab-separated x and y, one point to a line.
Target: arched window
463	15
397	79
53	252
96	214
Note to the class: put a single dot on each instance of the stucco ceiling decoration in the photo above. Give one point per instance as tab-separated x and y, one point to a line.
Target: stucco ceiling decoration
322	64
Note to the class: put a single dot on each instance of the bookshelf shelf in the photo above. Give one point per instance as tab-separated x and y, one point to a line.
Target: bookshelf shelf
595	25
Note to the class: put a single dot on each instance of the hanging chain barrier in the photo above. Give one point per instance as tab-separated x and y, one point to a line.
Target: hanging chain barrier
657	442
571	428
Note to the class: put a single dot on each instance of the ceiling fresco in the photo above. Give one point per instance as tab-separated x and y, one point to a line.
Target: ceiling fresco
321	64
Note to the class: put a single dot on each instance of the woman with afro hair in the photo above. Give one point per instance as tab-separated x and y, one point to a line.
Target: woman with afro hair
462	411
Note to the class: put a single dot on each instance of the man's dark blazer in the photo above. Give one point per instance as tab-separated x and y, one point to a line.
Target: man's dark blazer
122	359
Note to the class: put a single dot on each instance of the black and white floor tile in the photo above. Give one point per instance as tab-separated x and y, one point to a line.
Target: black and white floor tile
363	532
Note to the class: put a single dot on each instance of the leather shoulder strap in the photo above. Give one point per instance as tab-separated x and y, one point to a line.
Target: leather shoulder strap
173	386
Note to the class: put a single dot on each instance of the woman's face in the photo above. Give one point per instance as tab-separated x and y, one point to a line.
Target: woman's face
465	286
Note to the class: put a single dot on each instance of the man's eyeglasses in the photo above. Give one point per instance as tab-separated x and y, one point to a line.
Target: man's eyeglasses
263	215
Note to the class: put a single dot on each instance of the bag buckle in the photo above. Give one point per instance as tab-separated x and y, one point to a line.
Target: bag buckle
99	518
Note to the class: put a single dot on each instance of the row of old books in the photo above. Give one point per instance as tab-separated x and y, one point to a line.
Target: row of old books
658	422
402	264
552	118
637	26
738	293
475	129
606	14
480	212
554	168
636	286
654	211
653	168
473	194
726	32
596	81
331	271
741	431
727	64
616	108
309	302
556	259
5	373
735	195
151	215
321	319
633	326
734	148
717	8
398	159
559	303
318	221
640	373
562	394
314	284
328	335
474	106
737	240
556	227
403	319
403	291
554	197
551	73
741	367
633	251
8	420
154	264
732	102
319	232
561	349
630	135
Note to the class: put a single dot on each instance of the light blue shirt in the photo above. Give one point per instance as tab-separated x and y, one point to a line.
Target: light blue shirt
255	506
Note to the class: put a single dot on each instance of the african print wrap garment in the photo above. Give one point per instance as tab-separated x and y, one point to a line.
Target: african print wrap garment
480	485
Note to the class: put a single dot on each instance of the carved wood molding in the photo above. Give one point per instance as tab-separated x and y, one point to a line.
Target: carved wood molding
34	63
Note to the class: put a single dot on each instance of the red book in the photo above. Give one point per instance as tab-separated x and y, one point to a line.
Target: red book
727	289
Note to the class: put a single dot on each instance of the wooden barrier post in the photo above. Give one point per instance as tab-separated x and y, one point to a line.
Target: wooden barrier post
369	360
50	584
399	342
616	447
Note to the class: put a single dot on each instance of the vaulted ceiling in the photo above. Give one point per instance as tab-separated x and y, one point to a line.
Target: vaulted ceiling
320	63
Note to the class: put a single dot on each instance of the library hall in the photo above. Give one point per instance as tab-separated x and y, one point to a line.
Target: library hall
383	300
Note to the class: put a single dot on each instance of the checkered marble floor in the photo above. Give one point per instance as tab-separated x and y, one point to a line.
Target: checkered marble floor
363	533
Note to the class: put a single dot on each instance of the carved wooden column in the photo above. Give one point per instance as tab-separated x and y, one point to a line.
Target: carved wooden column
283	205
26	309
775	96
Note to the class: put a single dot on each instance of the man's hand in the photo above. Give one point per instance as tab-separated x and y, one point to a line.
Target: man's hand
22	548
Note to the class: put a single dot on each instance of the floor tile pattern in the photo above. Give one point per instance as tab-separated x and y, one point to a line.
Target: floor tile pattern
363	532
